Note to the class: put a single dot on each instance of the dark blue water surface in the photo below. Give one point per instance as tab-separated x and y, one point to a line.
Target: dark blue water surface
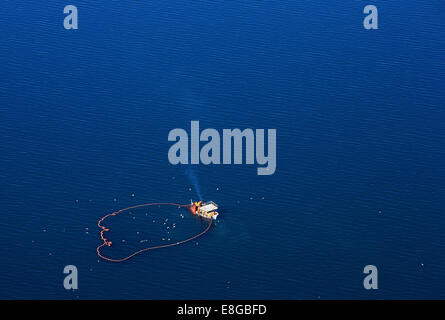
360	176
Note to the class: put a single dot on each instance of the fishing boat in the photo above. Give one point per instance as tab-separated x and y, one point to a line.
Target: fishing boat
205	210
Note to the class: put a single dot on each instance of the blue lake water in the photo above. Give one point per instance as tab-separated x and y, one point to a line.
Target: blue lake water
360	179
